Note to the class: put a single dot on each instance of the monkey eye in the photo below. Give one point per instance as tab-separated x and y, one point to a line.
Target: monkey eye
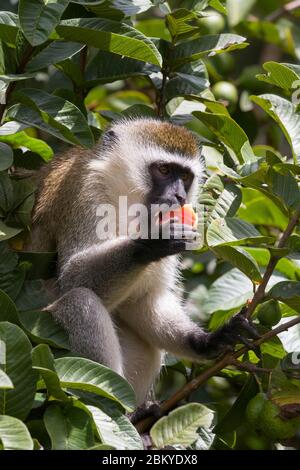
164	169
185	176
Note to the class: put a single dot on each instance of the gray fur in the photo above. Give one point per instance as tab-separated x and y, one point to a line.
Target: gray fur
117	311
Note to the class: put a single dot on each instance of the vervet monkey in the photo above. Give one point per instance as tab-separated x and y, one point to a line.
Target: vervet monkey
120	299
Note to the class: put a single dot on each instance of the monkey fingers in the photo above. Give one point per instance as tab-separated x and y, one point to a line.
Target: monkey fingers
149	408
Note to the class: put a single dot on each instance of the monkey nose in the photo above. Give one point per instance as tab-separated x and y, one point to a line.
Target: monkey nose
180	199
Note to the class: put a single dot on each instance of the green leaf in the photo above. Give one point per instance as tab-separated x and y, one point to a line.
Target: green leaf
228	132
6	192
188	79
287	292
240	259
7	232
207	45
53	115
6	156
69	428
38	18
106	67
111	36
233	231
235	416
231	291
14	435
55	52
9	25
43	362
181	425
114	428
83	374
5	381
41	328
257	209
281	75
290	340
18	366
237	11
8	259
182	24
219	201
285	114
285	186
22	139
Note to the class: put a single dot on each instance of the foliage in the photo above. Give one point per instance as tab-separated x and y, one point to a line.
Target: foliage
67	69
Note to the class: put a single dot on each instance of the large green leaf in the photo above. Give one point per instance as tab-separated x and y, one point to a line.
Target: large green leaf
286	115
14	435
111	36
9	25
7	232
106	67
52	114
191	78
38	18
287	292
181	425
113	427
43	362
55	52
240	259
6	156
235	416
69	428
228	132
233	231
231	291
197	48
18	366
257	209
5	381
22	139
39	326
219	200
281	75
83	374
238	10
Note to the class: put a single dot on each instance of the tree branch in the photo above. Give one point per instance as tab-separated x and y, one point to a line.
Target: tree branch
285	9
260	292
227	360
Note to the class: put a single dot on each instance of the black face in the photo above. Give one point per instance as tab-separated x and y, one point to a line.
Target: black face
170	183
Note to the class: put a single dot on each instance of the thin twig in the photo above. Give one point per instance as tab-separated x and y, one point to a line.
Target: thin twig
285	9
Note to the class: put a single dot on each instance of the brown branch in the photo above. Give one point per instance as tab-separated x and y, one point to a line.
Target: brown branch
160	101
260	292
285	9
229	359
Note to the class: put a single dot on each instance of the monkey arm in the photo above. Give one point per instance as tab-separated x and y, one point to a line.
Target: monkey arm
165	324
110	269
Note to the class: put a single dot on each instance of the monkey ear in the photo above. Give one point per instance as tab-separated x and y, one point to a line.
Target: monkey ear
109	138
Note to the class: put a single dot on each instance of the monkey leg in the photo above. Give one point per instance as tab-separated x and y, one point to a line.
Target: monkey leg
141	362
91	330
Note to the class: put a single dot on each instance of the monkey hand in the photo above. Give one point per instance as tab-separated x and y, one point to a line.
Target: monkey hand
173	238
237	330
